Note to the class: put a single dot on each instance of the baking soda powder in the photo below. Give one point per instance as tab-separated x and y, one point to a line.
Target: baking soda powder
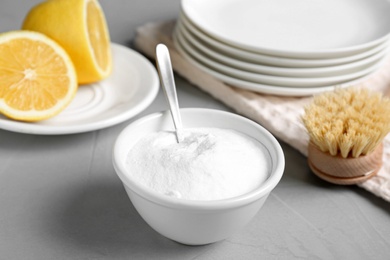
208	164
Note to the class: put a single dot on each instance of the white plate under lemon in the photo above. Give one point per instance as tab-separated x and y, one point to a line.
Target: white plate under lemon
131	87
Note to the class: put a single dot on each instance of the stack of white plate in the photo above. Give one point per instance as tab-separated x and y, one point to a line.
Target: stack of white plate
285	47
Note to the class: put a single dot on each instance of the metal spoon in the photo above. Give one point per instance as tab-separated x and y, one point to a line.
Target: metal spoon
167	81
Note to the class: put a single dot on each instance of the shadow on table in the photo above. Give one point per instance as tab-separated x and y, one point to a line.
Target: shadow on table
298	174
100	218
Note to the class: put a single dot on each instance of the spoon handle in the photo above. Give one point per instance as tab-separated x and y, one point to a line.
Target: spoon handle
166	77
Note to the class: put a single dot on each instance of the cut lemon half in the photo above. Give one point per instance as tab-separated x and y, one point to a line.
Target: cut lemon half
37	77
80	27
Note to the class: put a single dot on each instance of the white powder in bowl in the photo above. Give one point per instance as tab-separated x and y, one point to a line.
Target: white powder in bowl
208	164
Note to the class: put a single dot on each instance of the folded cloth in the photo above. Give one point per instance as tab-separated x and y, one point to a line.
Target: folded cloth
280	115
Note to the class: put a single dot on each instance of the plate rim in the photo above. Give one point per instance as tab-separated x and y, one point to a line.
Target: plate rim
298	72
282	81
272	60
263	88
332	52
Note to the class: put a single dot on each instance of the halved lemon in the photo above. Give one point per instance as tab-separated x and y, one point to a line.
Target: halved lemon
37	76
80	27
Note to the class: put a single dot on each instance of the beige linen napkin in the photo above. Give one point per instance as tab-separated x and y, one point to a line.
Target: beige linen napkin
280	115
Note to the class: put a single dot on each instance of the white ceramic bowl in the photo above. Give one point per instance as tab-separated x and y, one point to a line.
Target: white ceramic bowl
188	221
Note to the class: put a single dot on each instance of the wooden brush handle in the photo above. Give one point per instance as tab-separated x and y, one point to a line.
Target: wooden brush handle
339	170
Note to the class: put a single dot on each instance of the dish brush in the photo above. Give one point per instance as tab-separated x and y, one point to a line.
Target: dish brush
346	129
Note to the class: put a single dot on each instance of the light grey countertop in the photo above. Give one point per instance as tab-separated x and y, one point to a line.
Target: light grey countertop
61	199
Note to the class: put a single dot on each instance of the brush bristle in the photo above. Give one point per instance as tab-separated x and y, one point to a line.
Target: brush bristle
350	122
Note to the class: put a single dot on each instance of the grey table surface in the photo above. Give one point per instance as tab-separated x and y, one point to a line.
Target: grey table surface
61	199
